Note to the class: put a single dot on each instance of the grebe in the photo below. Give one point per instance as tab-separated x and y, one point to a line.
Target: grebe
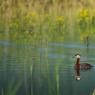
83	66
78	66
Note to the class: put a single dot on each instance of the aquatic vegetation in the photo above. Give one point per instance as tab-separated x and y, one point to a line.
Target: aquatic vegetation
60	19
57	78
38	20
60	23
83	18
11	89
93	17
83	13
30	17
14	24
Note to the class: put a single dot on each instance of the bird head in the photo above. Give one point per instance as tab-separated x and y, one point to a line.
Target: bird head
77	55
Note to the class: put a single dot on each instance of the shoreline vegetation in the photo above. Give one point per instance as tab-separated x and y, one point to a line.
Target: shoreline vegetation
35	20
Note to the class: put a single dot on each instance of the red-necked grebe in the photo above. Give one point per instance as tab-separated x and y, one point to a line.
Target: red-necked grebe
81	66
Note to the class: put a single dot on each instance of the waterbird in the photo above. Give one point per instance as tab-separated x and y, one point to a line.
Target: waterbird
80	66
83	66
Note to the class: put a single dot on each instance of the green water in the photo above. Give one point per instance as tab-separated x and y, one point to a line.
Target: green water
46	68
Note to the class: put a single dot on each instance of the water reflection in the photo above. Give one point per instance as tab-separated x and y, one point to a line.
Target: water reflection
45	70
14	71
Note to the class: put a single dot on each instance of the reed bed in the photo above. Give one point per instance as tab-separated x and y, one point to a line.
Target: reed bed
30	20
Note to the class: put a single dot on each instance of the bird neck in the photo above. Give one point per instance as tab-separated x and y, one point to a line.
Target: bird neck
78	61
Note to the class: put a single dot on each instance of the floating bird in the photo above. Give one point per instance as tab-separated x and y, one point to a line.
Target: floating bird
81	66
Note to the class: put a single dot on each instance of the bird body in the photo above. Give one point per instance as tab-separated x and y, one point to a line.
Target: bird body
81	66
85	66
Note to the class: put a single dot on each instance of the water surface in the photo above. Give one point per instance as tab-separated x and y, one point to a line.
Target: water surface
46	69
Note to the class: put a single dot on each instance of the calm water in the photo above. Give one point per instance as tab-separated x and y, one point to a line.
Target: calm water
47	69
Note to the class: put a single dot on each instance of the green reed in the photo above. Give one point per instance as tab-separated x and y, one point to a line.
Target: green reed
11	89
30	20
